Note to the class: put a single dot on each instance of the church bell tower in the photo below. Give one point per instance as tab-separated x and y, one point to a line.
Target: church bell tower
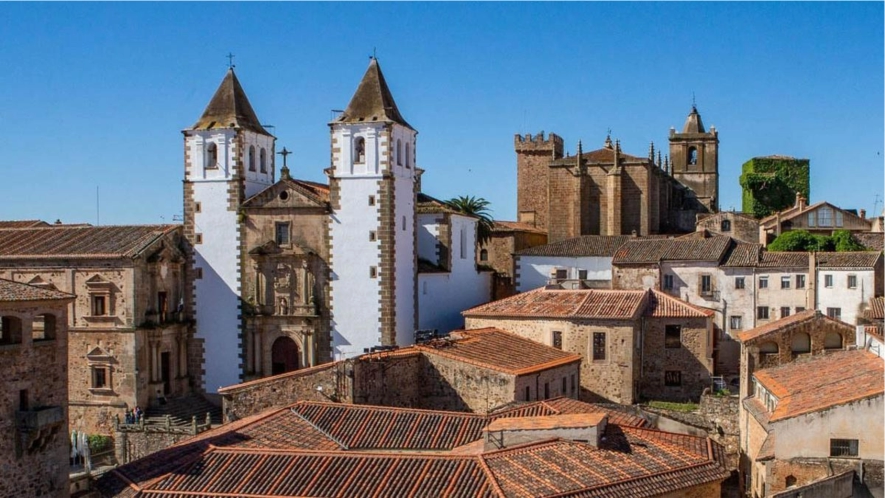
694	158
228	158
373	183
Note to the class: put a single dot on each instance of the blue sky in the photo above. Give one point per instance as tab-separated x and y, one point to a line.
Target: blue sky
97	94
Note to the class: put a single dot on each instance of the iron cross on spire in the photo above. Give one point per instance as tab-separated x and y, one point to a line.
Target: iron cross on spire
284	153
230	60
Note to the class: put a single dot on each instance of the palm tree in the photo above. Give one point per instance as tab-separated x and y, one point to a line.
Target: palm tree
479	207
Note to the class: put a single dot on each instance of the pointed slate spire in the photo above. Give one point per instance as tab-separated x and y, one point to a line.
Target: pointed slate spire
372	101
230	108
693	123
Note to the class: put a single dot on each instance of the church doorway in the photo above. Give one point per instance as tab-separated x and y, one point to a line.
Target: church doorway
284	356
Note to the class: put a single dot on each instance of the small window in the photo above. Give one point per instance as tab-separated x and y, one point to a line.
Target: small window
598	345
692	155
359	150
561	274
582	274
284	195
668	282
371	200
763	282
404	223
546	390
739	282
198	273
725	226
43	327
198	207
399	152
574	384
735	322
800	309
812	220
706	285
672	336
373	272
762	312
800	281
99	377
785	282
408	156
282	233
198	238
833	340
373	236
843	448
800	343
852	281
99	306
828	281
790	481
211	155
262	160
23	401
672	378
251	158
785	311
556	339
564	389
483	255
835	313
10	330
463	244
528	393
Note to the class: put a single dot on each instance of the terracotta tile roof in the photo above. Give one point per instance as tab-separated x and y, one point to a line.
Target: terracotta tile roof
498	350
769	259
430	205
587	303
604	155
16	291
653	251
546	422
823	381
876	310
859	260
226	472
583	303
515	226
630	462
364	427
781	325
69	242
870	240
22	223
663	305
584	246
563	405
743	254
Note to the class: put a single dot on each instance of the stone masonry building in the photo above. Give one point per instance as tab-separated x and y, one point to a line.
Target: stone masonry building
34	393
609	192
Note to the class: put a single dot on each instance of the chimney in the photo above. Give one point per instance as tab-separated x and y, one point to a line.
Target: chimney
800	201
863	213
580	427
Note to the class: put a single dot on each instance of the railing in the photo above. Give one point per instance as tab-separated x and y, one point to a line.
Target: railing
167	427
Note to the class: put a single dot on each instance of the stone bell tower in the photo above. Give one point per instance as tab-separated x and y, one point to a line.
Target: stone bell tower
694	159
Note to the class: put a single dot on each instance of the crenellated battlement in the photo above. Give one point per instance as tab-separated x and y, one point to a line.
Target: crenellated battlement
528	143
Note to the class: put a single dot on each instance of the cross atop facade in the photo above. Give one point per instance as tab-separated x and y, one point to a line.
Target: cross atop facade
285	154
230	60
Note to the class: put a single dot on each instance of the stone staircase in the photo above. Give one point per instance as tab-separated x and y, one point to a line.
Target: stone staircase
182	409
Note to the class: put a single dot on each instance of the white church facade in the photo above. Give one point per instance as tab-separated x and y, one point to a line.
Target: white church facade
285	273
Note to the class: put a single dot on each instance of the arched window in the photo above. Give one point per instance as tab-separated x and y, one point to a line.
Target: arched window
725	226
790	481
251	158
359	150
484	255
408	157
262	160
692	155
10	330
768	347
833	340
284	356
43	328
801	343
212	155
399	152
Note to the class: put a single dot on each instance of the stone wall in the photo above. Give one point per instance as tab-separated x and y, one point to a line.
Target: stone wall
808	470
132	445
692	359
533	154
741	227
722	415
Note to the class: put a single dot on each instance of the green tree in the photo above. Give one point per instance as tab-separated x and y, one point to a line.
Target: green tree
800	240
843	242
475	206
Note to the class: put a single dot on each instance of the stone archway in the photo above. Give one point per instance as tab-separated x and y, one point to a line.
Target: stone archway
285	356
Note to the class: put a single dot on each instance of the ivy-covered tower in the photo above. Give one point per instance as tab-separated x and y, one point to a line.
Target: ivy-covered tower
694	156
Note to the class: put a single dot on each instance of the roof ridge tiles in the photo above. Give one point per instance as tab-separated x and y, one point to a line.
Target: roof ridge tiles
318	428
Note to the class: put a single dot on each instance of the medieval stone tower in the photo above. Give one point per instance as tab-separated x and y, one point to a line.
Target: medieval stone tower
229	157
694	159
373	189
533	157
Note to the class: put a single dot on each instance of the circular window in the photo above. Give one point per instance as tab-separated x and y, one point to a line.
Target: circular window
284	195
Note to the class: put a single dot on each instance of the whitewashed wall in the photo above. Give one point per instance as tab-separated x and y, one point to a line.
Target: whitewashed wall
428	236
840	296
534	271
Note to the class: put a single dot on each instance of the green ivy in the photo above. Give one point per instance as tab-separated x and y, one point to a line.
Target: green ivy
769	184
802	240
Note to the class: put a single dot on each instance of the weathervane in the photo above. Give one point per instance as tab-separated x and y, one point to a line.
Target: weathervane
230	60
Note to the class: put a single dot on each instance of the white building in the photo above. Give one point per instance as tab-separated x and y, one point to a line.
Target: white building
846	281
583	261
